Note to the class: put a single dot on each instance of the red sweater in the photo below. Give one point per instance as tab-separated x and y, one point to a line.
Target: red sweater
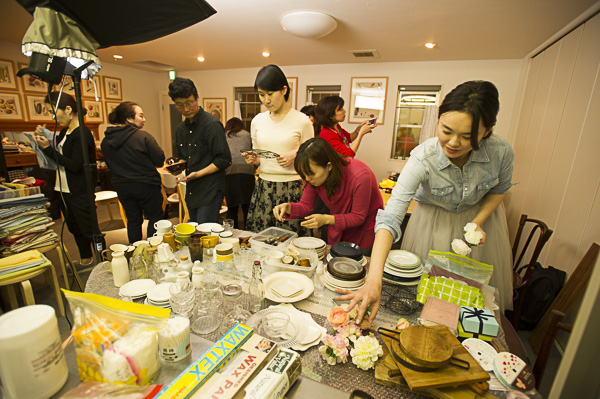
336	141
354	205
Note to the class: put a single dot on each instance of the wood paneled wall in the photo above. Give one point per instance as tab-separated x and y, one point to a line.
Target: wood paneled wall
557	146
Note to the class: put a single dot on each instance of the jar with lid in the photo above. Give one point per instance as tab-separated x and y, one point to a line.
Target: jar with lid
232	294
185	264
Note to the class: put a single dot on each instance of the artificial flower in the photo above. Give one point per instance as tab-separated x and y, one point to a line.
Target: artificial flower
335	349
473	237
402	324
338	317
460	247
470	227
353	314
350	331
366	351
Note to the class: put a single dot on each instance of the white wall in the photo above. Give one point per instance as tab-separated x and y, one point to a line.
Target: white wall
376	148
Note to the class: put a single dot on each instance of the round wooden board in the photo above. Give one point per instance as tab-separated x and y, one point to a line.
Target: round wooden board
425	346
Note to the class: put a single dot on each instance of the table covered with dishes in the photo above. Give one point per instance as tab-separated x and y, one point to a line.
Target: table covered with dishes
299	281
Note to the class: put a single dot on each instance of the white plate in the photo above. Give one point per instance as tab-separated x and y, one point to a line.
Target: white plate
286	289
400	273
159	293
309	243
207	227
416	282
401	257
342	283
297	278
363	261
167	306
333	287
136	288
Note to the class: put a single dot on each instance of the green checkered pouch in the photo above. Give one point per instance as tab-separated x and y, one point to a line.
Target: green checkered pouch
448	290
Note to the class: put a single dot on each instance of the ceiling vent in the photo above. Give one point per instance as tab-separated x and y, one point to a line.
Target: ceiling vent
365	53
154	65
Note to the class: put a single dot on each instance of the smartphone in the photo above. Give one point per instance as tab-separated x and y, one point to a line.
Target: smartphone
372	121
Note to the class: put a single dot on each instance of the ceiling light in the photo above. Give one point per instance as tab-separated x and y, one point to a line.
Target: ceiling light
117	57
430	45
201	59
266	54
308	24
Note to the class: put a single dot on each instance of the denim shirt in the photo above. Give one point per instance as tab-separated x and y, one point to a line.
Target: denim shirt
431	178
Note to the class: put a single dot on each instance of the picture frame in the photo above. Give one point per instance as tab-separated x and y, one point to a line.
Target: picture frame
10	106
217	107
95	111
367	99
69	86
8	78
112	88
36	109
110	107
293	86
31	84
87	87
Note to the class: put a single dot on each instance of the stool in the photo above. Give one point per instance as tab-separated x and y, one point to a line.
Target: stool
107	198
63	255
23	279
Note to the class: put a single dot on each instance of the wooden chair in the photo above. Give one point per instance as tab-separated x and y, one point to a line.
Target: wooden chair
522	273
184	215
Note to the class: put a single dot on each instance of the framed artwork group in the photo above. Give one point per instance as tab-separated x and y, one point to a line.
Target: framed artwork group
217	107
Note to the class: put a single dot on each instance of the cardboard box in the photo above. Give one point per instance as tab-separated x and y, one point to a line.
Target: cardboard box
464	334
275	380
198	373
248	362
478	321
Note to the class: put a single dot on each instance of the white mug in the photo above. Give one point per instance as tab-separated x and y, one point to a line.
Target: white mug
276	255
164	226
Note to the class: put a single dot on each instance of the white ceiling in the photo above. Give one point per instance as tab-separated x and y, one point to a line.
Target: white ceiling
241	30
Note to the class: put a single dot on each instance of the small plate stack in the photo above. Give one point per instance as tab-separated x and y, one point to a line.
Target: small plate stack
402	268
344	273
136	289
311	243
347	250
159	296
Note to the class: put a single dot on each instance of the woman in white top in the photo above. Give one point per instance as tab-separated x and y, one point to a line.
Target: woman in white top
279	130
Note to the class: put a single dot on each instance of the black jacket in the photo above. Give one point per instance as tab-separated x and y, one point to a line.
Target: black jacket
72	158
132	155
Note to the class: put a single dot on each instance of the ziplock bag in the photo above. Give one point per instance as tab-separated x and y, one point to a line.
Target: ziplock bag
115	341
461	265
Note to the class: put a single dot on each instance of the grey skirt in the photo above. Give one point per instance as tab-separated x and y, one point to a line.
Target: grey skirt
431	227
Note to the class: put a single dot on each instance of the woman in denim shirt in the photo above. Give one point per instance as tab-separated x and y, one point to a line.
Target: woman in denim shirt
460	176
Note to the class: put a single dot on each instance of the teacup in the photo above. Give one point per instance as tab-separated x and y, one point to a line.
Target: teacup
107	253
154	241
276	255
129	251
135	244
163	226
185	229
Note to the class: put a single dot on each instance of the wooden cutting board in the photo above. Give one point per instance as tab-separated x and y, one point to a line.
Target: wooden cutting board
447	375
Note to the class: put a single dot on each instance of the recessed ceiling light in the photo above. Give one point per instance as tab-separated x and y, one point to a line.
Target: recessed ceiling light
266	54
117	56
201	59
430	45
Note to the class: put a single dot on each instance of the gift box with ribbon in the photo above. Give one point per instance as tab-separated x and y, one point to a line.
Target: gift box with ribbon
463	334
478	321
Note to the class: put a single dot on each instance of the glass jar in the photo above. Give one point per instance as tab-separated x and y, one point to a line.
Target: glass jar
237	315
232	294
206	316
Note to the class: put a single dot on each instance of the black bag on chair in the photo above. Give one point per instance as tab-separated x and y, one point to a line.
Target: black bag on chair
543	287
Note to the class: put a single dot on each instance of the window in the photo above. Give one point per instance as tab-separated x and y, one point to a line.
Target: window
249	104
415	106
315	93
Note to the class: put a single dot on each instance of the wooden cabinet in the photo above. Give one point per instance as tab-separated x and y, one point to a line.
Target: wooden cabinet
22	159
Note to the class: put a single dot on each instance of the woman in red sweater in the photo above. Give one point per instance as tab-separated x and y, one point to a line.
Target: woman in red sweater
347	187
330	112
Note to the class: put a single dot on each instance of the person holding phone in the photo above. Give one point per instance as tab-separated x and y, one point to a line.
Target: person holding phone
330	112
459	177
346	186
281	129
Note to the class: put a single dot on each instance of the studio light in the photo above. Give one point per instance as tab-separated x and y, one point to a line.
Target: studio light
308	24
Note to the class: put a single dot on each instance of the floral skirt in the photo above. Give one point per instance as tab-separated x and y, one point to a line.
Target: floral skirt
433	227
268	194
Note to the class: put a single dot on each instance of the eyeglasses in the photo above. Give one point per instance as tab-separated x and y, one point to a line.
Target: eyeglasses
187	104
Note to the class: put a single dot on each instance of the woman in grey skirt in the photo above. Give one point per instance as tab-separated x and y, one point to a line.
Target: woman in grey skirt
459	177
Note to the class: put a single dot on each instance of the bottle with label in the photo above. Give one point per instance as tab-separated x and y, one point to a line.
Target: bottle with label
120	268
256	290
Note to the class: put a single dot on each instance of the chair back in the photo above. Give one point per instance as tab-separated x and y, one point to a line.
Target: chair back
543	235
184	215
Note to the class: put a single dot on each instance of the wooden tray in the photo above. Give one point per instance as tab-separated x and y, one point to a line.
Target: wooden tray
387	364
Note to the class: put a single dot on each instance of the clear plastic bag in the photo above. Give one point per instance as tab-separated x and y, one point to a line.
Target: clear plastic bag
115	341
99	390
461	265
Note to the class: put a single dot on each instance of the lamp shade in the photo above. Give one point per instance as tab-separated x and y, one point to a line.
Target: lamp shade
309	24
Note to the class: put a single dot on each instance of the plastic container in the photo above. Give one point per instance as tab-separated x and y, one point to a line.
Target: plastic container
263	248
32	362
272	266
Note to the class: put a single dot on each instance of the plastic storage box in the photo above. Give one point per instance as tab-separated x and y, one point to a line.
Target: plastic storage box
260	246
273	266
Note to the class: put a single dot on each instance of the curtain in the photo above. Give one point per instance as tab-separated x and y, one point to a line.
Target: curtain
429	123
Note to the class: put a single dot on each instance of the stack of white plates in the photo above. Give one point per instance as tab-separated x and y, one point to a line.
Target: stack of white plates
331	282
403	268
311	243
136	289
159	296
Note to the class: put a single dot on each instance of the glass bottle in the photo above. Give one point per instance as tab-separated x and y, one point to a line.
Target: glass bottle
256	290
318	280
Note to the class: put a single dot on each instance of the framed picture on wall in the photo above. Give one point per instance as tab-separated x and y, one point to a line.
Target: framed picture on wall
88	89
293	84
31	84
367	99
217	107
110	107
36	109
112	88
8	79
95	113
10	106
